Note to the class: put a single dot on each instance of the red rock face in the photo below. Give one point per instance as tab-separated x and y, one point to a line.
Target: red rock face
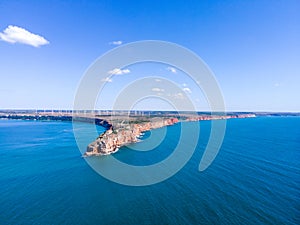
110	142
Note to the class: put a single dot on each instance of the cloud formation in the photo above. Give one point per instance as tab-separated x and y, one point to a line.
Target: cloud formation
13	34
107	79
179	95
116	42
187	90
156	89
118	71
172	69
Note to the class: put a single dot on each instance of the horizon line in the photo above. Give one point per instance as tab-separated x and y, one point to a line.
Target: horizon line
144	110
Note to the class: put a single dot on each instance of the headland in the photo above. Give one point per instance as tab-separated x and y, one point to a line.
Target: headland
124	127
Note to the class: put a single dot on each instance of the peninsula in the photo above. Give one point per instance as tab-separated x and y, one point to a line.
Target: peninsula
122	127
127	131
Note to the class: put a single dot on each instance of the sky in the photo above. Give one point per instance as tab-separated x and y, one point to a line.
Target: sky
252	47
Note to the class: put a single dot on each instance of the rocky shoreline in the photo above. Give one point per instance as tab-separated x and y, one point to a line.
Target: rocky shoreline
112	139
121	129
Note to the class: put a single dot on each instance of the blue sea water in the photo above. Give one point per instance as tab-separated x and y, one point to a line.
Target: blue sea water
254	179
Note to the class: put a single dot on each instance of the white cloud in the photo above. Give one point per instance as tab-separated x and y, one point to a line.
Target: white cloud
107	79
172	69
118	71
158	80
14	34
184	84
187	90
157	89
276	85
116	42
178	96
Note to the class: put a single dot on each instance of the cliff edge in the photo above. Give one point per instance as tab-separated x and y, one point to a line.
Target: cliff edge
112	139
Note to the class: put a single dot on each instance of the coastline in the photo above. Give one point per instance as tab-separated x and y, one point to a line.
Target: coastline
54	158
117	136
114	138
121	129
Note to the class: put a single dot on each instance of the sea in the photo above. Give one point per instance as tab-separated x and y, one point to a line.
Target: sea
254	179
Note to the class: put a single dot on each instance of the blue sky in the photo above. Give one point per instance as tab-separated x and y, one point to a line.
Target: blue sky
251	46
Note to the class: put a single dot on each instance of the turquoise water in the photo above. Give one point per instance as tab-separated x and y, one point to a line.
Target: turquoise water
254	179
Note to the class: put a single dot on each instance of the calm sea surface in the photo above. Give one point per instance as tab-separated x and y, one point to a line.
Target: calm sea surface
255	178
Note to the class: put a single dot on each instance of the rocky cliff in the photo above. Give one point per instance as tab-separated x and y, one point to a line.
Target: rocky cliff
111	140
